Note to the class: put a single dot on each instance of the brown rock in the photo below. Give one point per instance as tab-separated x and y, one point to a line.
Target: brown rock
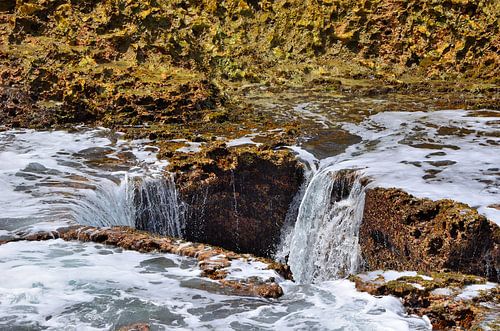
402	232
135	327
238	199
445	312
265	290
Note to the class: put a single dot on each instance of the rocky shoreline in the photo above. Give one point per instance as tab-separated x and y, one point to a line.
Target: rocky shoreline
214	262
452	301
180	73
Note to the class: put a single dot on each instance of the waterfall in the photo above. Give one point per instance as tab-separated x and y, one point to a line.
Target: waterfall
323	244
145	202
158	208
108	204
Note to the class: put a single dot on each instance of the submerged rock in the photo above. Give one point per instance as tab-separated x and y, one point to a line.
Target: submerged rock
215	263
402	232
451	301
135	327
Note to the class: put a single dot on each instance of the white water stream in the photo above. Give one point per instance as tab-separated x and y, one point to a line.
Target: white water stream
324	242
442	154
88	177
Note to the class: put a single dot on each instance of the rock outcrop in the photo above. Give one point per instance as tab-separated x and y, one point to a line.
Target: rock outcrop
238	198
402	232
451	301
135	63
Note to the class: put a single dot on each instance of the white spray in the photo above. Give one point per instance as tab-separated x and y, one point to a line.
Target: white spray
323	244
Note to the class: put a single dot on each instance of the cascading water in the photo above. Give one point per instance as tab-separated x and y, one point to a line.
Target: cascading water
158	208
323	245
149	203
108	204
76	178
92	179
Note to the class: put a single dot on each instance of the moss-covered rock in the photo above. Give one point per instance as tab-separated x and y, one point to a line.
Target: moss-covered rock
437	295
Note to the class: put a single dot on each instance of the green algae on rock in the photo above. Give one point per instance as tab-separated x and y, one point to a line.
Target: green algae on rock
438	296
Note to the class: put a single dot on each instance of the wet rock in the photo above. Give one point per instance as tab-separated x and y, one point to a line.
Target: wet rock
265	290
8	6
238	199
135	327
437	295
402	232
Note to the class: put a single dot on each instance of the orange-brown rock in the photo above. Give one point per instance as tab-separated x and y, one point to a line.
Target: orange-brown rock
402	232
266	290
135	327
445	311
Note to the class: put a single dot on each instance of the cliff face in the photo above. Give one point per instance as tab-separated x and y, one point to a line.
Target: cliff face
402	232
120	62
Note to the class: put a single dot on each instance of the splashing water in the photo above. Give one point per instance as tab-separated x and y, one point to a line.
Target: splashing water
109	204
89	177
323	245
158	208
145	202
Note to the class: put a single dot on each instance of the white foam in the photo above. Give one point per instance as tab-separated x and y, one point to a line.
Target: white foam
310	160
241	269
390	275
43	227
191	147
245	140
47	175
444	291
309	110
79	286
472	291
418	286
466	164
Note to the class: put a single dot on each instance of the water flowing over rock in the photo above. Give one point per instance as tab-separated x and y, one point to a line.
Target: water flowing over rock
144	202
214	262
109	204
324	243
158	208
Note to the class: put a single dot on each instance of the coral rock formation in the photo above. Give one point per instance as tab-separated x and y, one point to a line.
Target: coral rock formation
402	232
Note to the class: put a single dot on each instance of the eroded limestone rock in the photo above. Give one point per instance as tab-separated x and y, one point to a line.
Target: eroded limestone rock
238	198
451	301
402	232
